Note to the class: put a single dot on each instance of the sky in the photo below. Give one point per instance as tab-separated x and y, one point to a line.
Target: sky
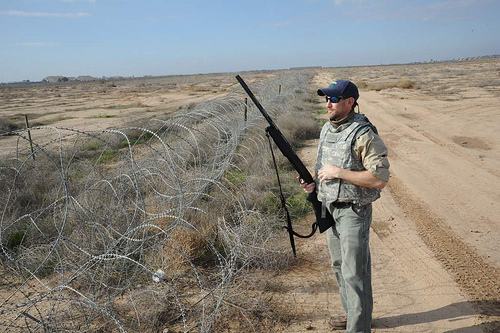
105	38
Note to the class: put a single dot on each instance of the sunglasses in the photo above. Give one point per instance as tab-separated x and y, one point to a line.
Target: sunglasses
333	99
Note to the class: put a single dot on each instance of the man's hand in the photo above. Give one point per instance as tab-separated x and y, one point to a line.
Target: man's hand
309	188
361	178
329	172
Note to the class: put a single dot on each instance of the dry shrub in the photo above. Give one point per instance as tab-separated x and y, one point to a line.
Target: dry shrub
7	125
256	241
257	188
176	252
487	82
194	88
32	187
377	86
140	104
39	259
151	309
362	85
45	316
298	128
250	306
405	84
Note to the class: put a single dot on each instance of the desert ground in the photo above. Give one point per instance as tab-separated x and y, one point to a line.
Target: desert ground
436	230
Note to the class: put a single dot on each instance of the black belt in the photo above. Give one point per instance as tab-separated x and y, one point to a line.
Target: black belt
338	204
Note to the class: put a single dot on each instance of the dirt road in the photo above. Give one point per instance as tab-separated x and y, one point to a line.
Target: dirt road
435	232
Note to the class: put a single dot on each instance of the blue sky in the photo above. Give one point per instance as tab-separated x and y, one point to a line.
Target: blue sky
159	37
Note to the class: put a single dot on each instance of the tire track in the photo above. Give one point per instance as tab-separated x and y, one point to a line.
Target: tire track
478	279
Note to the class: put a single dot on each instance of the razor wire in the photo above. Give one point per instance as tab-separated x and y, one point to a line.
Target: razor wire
112	230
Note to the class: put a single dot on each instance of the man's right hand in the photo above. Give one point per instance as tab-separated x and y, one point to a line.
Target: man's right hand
309	188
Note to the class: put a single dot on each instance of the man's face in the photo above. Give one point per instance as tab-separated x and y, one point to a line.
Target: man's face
339	110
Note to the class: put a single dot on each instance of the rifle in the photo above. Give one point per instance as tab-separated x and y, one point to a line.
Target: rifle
324	219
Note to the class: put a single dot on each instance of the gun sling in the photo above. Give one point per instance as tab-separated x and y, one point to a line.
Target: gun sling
324	219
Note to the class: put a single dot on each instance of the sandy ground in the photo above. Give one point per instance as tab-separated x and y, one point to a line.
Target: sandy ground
435	232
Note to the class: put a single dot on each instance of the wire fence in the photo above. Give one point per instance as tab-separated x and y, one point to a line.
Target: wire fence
137	228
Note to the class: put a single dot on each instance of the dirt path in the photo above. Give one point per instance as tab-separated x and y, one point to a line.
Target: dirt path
434	235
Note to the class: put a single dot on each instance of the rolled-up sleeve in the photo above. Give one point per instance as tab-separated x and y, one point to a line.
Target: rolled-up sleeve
372	151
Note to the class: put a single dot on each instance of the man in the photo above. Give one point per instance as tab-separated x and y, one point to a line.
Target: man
352	168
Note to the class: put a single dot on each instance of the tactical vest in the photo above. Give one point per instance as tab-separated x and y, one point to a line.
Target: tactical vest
335	148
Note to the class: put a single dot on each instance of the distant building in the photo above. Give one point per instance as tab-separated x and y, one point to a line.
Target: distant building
81	78
85	78
308	67
55	79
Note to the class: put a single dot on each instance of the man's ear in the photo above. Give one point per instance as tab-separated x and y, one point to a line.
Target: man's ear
351	102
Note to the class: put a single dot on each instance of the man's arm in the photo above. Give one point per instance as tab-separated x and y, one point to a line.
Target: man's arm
371	150
361	178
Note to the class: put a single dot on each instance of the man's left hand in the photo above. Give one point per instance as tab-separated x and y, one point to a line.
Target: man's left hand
361	178
329	172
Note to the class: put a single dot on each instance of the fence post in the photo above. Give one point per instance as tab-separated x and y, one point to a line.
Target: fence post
279	93
29	136
246	107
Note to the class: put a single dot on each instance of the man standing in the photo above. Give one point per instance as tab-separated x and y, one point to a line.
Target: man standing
351	169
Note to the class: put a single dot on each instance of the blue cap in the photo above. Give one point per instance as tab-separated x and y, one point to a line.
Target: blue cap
340	88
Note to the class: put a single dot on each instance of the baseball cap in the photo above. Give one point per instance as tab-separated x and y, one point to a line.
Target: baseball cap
340	88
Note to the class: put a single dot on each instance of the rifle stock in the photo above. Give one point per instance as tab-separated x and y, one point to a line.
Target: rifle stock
322	222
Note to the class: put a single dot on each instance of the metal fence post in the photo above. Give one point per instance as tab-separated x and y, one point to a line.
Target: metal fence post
29	136
246	107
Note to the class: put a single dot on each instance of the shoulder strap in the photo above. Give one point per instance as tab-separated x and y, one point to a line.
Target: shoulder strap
288	227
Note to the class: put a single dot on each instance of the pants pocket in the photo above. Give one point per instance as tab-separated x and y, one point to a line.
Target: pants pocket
360	210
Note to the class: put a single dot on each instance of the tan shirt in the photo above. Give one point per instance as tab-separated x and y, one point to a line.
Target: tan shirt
372	151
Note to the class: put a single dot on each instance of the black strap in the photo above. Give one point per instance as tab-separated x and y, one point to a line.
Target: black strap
288	227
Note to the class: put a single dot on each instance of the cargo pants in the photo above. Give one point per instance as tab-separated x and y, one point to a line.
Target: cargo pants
348	243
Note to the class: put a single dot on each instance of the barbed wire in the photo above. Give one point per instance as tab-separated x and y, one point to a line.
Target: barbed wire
135	228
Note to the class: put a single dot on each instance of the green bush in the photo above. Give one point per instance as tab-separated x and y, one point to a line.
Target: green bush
105	156
14	239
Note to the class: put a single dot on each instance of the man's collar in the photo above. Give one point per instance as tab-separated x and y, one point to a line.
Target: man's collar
346	119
